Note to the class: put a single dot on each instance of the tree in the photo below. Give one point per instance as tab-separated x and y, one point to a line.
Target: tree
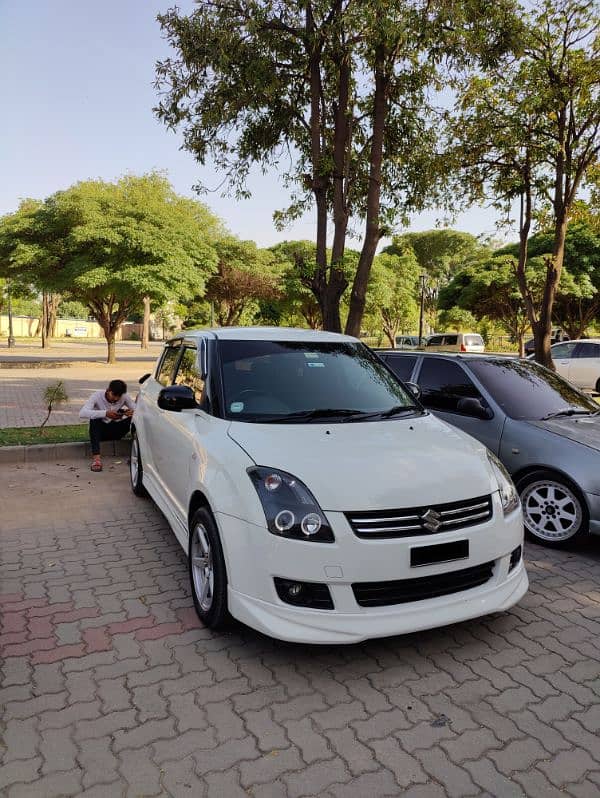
244	275
457	319
337	94
393	289
112	244
440	254
529	132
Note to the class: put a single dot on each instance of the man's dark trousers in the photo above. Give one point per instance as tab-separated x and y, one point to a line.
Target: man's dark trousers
101	431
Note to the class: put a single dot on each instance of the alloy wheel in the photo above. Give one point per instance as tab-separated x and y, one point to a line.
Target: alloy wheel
551	510
202	567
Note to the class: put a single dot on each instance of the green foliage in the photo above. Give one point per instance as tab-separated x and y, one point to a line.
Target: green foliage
392	298
457	319
338	96
110	244
71	309
54	394
26	436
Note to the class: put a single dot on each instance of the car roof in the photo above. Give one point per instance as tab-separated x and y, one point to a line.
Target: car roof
264	334
579	341
448	355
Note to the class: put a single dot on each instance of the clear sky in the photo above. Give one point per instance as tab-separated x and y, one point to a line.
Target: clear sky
76	85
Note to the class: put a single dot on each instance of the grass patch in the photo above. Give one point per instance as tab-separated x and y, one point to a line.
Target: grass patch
66	433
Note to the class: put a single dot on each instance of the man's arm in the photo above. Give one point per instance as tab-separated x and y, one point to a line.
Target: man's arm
128	401
89	409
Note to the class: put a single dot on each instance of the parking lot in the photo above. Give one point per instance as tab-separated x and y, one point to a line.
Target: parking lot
110	686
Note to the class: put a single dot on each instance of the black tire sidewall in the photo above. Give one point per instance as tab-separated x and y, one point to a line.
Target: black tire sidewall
138	486
537	476
218	615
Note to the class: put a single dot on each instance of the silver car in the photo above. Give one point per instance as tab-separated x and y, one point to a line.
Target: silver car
544	430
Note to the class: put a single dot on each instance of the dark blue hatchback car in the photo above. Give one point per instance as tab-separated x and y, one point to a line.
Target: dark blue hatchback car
544	430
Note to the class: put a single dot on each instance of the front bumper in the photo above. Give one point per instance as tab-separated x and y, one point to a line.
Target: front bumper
254	557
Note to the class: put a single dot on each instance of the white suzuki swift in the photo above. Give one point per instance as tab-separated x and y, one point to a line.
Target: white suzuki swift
316	499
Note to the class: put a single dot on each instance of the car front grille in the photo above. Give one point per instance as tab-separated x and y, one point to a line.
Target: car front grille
403	591
423	520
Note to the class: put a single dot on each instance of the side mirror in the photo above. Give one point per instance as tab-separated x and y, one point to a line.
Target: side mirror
143	379
414	389
473	407
177	397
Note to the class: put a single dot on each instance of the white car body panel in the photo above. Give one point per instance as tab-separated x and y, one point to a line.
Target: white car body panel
370	465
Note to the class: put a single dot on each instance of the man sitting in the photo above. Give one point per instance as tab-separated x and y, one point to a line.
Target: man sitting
110	414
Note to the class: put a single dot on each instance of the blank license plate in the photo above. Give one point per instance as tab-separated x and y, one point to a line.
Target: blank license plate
442	552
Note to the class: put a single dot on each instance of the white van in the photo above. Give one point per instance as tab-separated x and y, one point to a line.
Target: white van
455	342
316	499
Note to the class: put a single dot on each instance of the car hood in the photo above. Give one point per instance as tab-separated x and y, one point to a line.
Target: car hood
371	465
581	429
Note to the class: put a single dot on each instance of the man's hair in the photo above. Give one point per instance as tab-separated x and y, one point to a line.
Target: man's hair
117	387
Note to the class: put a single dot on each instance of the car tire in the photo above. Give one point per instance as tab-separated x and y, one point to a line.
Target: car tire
208	574
554	511
598	385
136	469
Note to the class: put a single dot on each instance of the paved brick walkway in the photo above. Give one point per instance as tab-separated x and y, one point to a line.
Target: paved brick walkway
111	688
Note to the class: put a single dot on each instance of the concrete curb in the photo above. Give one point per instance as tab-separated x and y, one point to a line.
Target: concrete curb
46	452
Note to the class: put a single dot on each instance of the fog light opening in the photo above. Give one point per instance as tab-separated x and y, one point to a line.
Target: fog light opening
515	558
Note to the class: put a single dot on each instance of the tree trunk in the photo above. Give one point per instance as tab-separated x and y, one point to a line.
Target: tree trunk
44	320
53	301
373	233
521	342
146	323
112	353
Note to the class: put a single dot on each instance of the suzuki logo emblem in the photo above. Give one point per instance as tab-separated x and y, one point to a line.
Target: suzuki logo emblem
432	520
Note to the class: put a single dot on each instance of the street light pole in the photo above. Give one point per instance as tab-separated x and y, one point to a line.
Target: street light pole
423	278
11	338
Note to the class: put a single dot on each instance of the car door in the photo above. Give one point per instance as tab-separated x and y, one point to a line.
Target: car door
180	431
584	368
152	416
562	355
444	382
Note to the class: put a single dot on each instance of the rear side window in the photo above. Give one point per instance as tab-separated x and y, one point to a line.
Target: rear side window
188	372
585	350
563	350
401	366
443	384
435	340
450	340
167	364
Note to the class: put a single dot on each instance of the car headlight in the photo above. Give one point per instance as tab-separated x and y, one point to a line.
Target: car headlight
508	493
290	508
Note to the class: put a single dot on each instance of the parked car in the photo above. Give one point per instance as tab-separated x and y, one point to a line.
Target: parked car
316	499
544	430
579	362
557	336
408	341
455	342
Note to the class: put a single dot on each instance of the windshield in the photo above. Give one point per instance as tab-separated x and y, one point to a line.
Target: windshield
526	390
299	382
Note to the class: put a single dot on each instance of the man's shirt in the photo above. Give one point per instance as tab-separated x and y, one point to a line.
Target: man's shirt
98	405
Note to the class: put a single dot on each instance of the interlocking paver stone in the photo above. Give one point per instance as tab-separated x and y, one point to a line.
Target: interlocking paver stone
114	688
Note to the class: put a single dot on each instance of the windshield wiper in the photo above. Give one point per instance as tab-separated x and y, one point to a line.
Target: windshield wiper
396	410
571	411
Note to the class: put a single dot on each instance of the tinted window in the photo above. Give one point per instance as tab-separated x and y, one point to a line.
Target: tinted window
401	366
443	384
587	350
524	389
450	340
272	380
189	374
165	369
435	340
563	350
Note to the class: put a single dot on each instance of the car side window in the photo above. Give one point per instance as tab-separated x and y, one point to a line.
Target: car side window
587	350
435	340
443	384
563	350
450	340
188	372
401	366
167	364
